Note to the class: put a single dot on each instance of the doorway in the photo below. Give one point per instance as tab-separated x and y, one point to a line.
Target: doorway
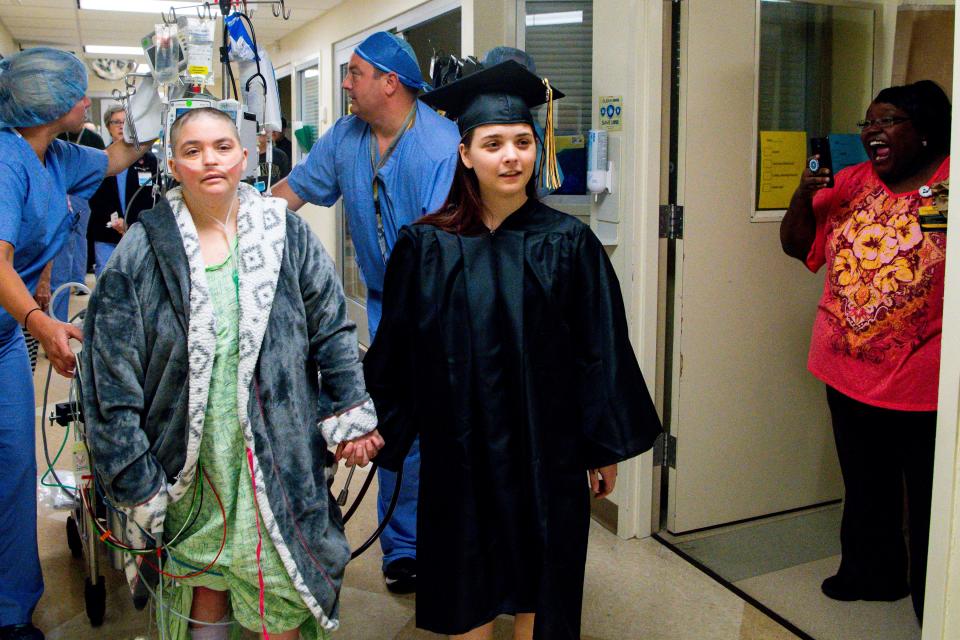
750	490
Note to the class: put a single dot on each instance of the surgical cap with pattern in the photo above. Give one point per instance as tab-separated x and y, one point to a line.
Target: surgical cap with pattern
39	85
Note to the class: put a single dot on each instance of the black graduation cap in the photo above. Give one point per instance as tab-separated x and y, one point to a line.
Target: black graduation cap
501	94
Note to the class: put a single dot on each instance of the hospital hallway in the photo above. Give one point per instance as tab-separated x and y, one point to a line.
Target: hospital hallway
635	589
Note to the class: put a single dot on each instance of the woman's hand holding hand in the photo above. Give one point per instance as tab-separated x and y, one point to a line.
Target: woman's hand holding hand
119	226
55	337
603	480
360	451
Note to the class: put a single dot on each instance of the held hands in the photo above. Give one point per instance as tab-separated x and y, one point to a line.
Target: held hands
118	226
811	182
360	451
55	337
602	480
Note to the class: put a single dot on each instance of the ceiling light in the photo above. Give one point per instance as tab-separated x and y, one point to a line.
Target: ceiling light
134	6
110	50
561	17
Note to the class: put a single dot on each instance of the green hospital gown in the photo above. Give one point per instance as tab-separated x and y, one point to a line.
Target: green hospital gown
223	460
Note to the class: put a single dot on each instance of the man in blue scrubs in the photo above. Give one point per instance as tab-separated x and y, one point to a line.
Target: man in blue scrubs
41	95
392	160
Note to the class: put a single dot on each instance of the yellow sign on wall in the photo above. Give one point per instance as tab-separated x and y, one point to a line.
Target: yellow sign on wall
783	155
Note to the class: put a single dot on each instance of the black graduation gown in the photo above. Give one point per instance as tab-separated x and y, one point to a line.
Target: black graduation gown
508	354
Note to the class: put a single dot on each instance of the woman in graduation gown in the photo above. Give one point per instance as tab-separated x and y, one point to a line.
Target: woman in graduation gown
504	345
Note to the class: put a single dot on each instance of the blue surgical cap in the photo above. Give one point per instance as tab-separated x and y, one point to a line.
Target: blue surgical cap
390	54
502	54
39	85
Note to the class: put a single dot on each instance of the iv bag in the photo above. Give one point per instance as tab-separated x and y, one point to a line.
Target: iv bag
167	53
239	41
197	35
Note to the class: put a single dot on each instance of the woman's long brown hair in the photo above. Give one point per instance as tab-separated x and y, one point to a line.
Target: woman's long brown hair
461	213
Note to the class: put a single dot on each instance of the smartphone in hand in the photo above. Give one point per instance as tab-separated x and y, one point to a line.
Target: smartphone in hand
821	147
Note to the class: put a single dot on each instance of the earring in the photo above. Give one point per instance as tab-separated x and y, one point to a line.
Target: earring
923	142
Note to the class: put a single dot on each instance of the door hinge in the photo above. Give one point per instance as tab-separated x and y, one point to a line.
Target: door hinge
665	451
671	221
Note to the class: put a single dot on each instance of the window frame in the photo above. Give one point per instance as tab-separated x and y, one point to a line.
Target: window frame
776	215
299	71
579	205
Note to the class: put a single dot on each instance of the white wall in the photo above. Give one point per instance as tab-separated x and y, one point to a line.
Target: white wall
8	45
632	69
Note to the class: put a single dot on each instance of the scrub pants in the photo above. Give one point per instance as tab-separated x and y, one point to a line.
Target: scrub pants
21	583
102	252
70	265
881	451
399	538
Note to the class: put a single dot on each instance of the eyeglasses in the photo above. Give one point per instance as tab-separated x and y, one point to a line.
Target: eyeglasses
884	123
113	122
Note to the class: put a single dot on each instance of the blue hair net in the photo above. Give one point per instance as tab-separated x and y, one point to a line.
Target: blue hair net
39	85
391	54
502	54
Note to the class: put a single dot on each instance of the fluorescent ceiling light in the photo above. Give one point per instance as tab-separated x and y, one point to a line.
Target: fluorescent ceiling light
109	50
561	17
134	6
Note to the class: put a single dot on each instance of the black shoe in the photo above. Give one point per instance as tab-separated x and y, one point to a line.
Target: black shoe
20	632
840	588
401	575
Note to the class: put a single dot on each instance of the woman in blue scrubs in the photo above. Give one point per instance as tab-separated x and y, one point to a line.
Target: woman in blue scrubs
41	95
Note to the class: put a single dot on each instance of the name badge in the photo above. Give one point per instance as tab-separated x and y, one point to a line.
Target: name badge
144	178
932	219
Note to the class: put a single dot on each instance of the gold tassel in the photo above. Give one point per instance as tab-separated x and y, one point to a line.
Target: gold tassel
549	171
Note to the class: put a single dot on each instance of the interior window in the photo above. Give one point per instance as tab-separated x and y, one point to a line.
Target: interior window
559	36
815	80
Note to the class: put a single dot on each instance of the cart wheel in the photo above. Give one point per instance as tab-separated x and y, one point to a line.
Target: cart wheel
95	596
74	541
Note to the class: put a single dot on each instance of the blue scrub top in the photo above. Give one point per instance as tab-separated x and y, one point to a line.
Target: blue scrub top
34	216
415	181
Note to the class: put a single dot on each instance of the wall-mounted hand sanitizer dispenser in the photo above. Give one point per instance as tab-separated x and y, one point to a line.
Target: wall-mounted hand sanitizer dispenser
598	165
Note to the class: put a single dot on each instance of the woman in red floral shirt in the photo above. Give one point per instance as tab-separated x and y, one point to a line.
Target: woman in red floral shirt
876	338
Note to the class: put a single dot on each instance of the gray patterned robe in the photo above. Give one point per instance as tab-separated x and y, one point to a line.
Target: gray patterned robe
147	361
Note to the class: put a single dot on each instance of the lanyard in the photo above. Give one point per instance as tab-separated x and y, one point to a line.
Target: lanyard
376	166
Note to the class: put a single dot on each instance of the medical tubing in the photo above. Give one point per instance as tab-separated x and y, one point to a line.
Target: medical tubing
386	516
363	491
46	391
139	189
223	542
46	447
256	56
225	60
106	535
176	613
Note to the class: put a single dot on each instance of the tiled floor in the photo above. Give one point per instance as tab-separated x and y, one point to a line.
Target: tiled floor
635	589
781	561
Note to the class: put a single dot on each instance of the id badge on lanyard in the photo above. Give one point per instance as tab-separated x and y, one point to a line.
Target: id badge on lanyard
376	166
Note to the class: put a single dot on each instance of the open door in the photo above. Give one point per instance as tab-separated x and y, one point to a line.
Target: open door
751	426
